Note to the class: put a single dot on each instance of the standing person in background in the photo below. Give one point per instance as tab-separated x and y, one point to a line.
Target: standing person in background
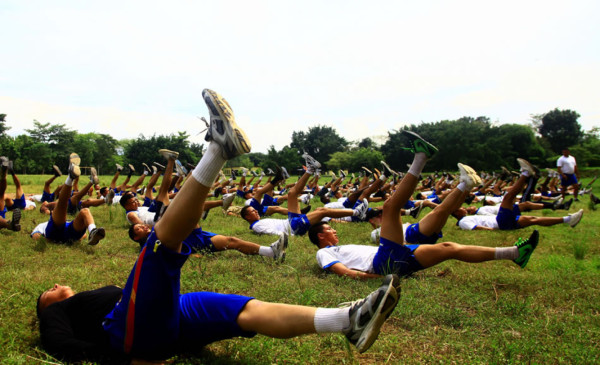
569	173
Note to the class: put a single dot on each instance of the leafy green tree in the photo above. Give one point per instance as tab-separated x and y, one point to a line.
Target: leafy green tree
288	157
368	157
561	129
320	142
340	160
366	143
145	150
3	127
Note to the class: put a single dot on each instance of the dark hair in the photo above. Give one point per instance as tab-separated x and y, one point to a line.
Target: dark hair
102	190
141	241
314	230
38	309
124	198
244	211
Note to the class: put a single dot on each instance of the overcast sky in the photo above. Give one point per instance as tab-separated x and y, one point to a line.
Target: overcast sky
364	68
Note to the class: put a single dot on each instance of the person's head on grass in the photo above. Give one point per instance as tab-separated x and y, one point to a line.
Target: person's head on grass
322	235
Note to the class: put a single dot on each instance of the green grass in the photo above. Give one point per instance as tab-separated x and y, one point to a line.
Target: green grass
492	312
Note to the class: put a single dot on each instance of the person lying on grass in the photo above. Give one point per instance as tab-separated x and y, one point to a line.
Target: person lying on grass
149	319
392	255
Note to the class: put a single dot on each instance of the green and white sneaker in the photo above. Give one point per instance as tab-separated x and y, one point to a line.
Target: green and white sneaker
368	315
526	247
419	144
223	129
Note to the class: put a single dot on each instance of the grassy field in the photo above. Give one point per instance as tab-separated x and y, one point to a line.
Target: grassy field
493	312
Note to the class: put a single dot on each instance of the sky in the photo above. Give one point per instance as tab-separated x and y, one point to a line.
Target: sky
131	68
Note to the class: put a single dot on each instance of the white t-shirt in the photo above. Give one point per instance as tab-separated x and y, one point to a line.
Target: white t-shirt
40	228
145	216
488	210
271	226
470	222
355	257
566	164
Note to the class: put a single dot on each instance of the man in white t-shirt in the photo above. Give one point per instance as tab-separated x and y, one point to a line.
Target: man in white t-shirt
57	229
393	255
569	173
509	216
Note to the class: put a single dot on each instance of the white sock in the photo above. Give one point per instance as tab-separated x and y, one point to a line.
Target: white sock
332	320
462	186
525	173
91	227
209	166
566	219
146	172
506	253
266	251
69	181
418	163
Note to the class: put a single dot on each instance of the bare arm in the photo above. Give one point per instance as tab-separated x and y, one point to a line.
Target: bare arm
134	218
341	270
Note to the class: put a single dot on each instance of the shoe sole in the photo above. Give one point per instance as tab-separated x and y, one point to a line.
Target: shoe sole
239	143
533	241
168	154
527	164
578	219
74	159
383	311
74	171
100	234
94	176
430	149
57	171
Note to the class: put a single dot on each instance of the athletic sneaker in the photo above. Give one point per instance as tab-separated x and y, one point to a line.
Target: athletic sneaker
575	218
567	205
109	197
306	209
285	173
505	173
131	168
367	171
4	163
119	167
279	247
227	200
74	159
56	170
311	164
223	129
94	176
594	199
253	173
368	315
205	214
468	176
11	169
278	176
168	155
244	171
558	204
415	211
14	223
154	170
526	166
526	247
342	174
160	167
387	170
96	235
74	171
146	167
361	211
182	171
306	198
419	144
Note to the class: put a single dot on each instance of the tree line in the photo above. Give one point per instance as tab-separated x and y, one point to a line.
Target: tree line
474	141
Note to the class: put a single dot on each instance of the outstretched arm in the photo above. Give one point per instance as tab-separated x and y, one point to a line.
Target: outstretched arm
341	270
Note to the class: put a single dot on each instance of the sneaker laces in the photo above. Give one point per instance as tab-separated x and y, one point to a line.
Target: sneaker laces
205	122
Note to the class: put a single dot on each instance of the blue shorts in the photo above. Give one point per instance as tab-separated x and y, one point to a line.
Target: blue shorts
409	204
18	203
348	204
261	209
72	209
47	197
147	202
570	180
152	206
413	235
507	218
394	258
200	240
436	199
268	200
3	213
240	193
299	223
208	317
63	233
145	323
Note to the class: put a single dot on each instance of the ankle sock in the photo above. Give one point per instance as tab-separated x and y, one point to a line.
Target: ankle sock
332	320
209	166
